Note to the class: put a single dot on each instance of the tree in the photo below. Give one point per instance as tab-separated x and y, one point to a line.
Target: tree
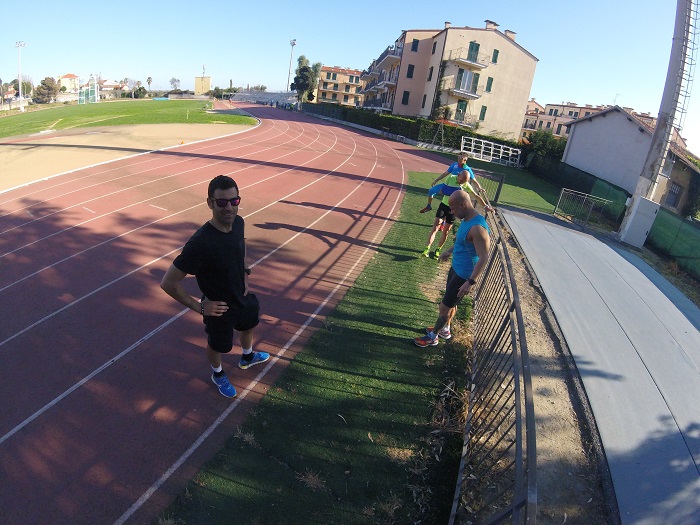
26	87
543	142
306	78
148	81
259	87
46	92
175	83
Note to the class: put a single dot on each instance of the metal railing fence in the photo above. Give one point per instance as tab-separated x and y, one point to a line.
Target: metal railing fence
491	151
497	480
585	209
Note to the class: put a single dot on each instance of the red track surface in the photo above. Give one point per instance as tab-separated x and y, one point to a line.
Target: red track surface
107	406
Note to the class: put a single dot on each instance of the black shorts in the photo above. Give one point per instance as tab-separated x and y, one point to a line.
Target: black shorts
220	329
445	212
454	283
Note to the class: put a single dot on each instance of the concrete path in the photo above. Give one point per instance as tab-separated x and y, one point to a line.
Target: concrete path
636	344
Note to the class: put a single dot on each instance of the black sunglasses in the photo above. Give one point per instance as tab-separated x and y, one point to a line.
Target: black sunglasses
221	203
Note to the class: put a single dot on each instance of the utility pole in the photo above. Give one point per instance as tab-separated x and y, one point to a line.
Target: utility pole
292	43
19	46
678	79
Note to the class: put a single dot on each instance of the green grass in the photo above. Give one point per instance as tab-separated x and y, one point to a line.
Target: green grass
118	113
521	188
344	436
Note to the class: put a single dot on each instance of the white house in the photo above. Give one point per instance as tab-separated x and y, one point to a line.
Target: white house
613	145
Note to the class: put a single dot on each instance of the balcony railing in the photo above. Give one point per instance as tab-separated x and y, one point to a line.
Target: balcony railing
390	56
369	73
462	57
388	81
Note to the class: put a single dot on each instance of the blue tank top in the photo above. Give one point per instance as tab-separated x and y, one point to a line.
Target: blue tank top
464	256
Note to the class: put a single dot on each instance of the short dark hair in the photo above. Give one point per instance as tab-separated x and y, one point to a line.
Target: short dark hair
221	182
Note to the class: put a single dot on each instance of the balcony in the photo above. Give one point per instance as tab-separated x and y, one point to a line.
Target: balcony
462	57
465	94
390	57
371	87
386	81
370	73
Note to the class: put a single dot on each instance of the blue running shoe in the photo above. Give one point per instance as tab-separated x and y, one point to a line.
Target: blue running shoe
258	357
226	389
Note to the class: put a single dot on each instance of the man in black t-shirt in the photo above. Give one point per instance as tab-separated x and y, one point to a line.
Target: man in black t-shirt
215	255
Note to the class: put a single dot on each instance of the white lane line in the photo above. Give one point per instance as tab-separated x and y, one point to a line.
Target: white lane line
121	158
158	207
87	378
194	151
153	198
151	181
88	209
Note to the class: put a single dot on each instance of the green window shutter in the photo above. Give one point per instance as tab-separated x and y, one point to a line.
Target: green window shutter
489	84
473	54
460	75
494	58
482	113
475	83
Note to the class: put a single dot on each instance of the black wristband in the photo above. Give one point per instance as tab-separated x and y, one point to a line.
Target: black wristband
247	271
471	281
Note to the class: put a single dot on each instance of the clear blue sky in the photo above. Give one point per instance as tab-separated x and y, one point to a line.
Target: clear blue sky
595	52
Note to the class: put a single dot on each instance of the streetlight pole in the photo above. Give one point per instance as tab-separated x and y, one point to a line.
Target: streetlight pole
19	46
292	43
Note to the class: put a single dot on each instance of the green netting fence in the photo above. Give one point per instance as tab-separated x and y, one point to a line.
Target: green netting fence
564	176
678	239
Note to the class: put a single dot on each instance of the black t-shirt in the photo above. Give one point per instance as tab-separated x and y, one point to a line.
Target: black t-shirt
217	260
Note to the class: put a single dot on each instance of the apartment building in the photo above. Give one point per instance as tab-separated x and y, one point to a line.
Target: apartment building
338	85
69	81
480	78
554	117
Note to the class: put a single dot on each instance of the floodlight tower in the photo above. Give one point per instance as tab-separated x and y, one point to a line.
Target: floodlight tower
19	46
641	211
292	43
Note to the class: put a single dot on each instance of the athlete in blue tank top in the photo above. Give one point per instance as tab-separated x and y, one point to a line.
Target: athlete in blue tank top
469	257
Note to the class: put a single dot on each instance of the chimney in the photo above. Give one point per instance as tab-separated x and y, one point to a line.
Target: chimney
491	25
448	24
510	34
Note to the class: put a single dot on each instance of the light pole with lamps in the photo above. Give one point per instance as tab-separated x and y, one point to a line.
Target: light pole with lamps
292	43
19	46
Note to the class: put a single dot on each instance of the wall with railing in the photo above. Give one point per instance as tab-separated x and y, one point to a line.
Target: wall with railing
497	482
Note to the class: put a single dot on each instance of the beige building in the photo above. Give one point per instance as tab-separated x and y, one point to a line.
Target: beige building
70	81
480	78
202	85
338	85
554	117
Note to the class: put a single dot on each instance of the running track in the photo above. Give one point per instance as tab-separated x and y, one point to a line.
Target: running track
107	406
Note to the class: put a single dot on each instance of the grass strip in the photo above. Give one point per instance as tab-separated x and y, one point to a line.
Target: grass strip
118	113
354	430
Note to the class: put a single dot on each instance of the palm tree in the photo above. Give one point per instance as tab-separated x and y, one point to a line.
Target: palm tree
148	81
